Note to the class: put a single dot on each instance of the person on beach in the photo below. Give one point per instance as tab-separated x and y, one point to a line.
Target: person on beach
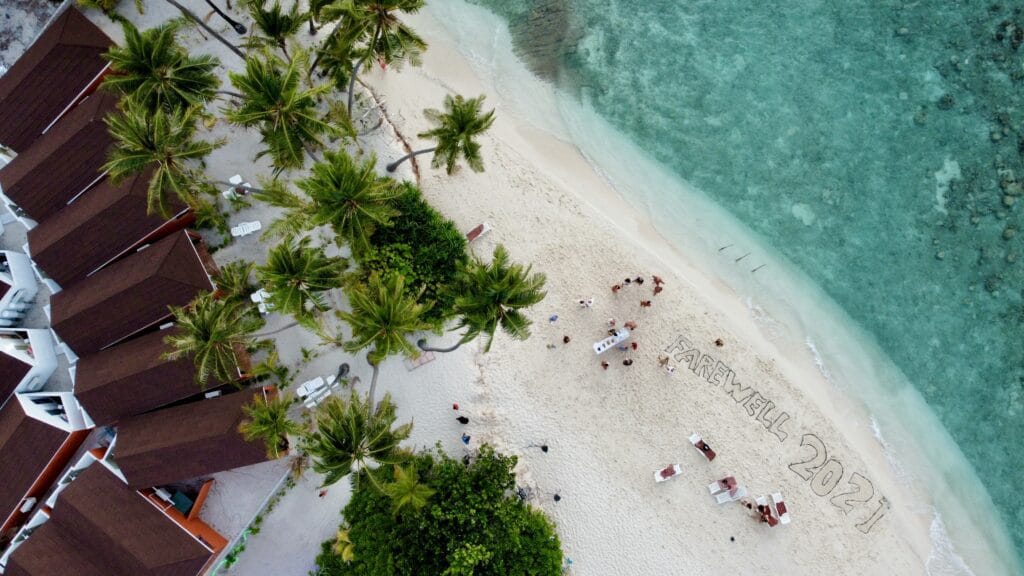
566	339
611	322
627	282
583	303
639	280
623	347
551	346
719	342
627	362
634	346
589	302
657	290
663	360
657	280
630	325
616	288
462	419
645	303
321	494
613	332
466	438
604	365
553	318
670	369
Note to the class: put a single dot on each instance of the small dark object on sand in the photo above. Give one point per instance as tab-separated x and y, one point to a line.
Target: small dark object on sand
463	420
566	339
719	342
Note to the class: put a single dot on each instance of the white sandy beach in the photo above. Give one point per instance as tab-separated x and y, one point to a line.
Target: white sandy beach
608	431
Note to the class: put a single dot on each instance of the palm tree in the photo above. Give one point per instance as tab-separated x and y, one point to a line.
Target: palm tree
160	139
296	275
234	282
315	9
155	70
374	26
494	295
382	316
351	436
212	332
350	197
406	492
267	420
457	128
286	113
276	24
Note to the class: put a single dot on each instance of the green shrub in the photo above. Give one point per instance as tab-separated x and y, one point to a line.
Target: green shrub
424	246
473	524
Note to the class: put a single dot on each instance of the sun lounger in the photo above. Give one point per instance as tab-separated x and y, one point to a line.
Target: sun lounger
725	484
724	497
780	507
235	181
246	228
772	521
668	473
620	336
702	446
477	232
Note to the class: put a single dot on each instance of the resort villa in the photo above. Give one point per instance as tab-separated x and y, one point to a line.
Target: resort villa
107	450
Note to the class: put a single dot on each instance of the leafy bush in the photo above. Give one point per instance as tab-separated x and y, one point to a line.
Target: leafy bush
472	525
422	245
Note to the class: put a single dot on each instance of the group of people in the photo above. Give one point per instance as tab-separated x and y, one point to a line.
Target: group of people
659	286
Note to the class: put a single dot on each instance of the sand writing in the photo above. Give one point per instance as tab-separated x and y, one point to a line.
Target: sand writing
822	473
757	406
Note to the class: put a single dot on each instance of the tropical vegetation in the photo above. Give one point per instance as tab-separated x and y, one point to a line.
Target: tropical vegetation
382	316
296	275
162	141
275	101
423	246
213	333
455	134
472	524
153	69
354	437
494	295
275	24
267	421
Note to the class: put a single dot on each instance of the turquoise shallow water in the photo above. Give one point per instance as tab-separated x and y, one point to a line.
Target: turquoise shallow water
876	145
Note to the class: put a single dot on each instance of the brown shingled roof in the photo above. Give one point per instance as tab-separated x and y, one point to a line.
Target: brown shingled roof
100	527
131	378
185	442
63	163
48	77
26	447
128	296
95	229
12	371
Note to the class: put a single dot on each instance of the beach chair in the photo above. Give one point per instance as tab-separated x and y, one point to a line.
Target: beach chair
610	342
235	181
772	520
477	232
726	496
246	228
722	485
668	473
780	507
702	446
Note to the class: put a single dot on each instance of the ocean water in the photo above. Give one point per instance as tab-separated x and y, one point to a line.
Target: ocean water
869	152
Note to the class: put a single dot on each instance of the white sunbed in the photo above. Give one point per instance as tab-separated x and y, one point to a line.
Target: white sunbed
724	496
668	473
235	181
706	450
610	342
246	228
780	507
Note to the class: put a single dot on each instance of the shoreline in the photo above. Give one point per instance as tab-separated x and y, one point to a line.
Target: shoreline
566	169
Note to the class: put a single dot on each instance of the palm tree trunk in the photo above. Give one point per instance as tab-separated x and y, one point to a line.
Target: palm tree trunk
312	27
394	165
373	387
229	93
422	343
191	16
352	85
